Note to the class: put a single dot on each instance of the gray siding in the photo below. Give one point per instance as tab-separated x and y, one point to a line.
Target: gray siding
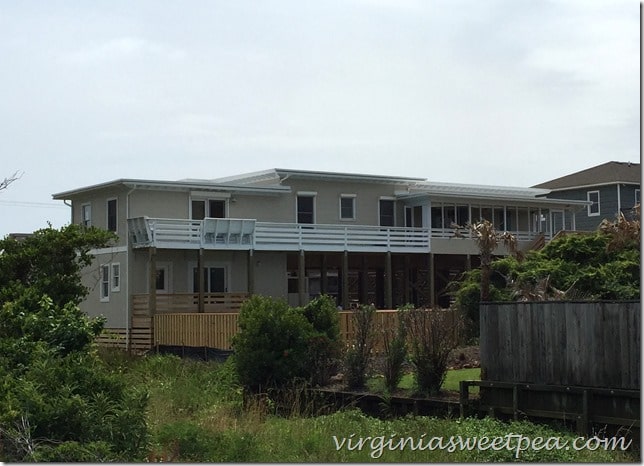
608	200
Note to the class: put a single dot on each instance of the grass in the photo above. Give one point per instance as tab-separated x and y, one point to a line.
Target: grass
452	379
197	414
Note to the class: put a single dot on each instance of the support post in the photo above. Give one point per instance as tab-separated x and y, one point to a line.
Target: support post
200	280
406	279
388	282
324	283
251	272
301	279
431	279
364	282
345	280
152	293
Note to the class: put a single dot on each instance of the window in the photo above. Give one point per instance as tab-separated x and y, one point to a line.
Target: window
213	208
347	207
214	280
111	215
306	208
86	215
217	208
104	283
386	212
161	279
593	209
198	210
116	277
637	196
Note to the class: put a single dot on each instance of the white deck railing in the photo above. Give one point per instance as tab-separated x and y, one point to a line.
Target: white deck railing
239	234
228	233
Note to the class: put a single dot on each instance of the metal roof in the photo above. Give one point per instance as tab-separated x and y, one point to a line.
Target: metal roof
280	174
182	185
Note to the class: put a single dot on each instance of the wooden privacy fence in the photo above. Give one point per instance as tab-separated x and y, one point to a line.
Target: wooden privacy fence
590	344
215	330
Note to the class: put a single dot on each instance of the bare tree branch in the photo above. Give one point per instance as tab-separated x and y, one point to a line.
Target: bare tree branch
4	184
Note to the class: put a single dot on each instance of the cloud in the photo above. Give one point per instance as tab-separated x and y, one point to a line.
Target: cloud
123	48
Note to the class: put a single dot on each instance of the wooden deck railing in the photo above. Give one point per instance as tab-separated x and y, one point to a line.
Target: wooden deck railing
188	302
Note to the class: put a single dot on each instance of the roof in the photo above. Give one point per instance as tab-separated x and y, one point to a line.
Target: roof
606	173
181	185
278	174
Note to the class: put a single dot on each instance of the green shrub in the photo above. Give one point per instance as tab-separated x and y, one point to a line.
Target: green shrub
272	345
324	347
358	354
395	350
55	389
75	452
433	336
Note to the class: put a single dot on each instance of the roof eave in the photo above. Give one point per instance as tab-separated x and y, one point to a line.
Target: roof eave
176	186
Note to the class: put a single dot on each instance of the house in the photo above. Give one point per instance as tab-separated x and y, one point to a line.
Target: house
204	245
610	188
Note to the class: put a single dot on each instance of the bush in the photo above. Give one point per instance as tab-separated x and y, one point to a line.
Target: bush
56	390
434	334
324	348
395	350
358	355
272	345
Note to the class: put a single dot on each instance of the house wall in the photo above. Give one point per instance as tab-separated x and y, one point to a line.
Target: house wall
608	203
114	309
327	200
161	204
270	274
267	208
98	201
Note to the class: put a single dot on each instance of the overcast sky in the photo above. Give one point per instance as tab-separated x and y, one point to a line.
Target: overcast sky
499	92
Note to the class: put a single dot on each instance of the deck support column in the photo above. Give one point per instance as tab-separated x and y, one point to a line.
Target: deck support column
345	280
324	284
388	282
301	279
431	278
200	280
406	279
468	262
152	284
364	282
251	272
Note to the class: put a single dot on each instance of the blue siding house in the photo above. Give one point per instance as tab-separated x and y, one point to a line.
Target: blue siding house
610	188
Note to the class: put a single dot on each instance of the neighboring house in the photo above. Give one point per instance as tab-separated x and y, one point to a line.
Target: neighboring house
610	188
205	245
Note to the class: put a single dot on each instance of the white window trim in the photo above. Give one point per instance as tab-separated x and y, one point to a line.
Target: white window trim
115	272
354	214
82	214
107	213
590	213
102	280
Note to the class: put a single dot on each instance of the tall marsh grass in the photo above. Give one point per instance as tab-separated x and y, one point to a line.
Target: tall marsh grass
198	414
